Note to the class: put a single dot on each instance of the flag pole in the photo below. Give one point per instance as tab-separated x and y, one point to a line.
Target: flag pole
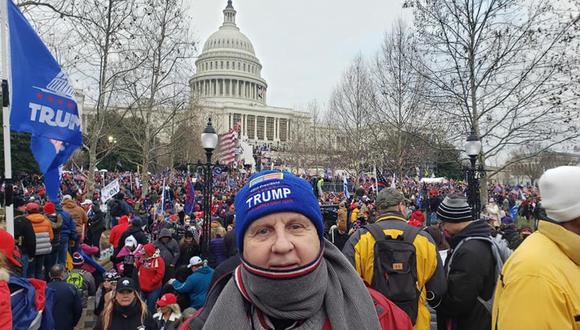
9	209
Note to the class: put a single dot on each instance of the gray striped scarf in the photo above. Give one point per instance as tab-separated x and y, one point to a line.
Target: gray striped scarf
333	290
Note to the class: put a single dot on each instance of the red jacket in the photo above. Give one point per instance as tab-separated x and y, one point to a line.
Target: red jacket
151	272
118	231
5	311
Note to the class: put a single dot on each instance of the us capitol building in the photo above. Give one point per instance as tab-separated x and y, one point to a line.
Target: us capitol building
229	88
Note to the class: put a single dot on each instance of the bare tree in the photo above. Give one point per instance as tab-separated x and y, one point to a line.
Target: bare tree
402	114
350	107
494	68
157	87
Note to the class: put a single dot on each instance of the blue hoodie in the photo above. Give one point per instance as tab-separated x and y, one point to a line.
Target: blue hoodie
196	285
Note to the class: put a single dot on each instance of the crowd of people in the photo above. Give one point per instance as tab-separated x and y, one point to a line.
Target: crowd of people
286	252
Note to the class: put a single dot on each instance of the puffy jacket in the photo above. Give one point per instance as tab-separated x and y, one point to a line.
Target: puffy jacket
539	287
196	285
117	231
43	230
78	215
169	251
471	275
359	250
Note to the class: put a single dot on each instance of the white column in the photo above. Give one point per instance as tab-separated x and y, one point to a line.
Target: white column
265	128
255	127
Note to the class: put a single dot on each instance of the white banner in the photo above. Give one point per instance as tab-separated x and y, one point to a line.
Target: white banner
110	190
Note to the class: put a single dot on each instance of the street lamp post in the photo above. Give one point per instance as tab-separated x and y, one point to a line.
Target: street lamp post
209	141
473	149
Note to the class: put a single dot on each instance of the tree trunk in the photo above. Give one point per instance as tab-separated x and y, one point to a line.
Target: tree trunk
145	165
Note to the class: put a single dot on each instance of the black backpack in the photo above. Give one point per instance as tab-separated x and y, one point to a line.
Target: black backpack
395	268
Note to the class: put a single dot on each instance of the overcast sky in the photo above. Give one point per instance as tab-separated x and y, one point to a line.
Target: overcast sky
303	45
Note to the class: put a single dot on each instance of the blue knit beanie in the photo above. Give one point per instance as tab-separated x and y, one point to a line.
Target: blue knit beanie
275	191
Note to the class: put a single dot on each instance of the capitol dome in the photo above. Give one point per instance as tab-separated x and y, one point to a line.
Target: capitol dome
227	67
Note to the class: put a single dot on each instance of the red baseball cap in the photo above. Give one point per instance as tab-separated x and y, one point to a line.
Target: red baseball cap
167	299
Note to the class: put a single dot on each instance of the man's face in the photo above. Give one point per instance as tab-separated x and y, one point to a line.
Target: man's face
281	241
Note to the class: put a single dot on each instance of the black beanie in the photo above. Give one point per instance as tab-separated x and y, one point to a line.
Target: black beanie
455	209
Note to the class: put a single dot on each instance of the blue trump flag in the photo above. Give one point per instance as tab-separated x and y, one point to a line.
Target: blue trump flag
43	102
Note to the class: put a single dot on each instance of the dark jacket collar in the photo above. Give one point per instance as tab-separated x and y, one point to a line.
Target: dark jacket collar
477	228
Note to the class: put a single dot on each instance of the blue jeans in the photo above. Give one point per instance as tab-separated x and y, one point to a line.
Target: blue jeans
25	265
62	251
151	298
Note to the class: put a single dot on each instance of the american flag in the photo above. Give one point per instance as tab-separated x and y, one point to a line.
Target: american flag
227	145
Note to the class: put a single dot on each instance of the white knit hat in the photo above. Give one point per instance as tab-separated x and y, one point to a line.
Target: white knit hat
560	188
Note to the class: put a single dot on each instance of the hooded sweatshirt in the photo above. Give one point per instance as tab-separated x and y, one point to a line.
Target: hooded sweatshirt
43	230
117	231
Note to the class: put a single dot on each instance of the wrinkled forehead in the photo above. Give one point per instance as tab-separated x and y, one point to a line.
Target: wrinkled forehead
280	218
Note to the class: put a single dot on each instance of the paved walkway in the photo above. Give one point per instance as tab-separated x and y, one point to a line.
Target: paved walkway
88	319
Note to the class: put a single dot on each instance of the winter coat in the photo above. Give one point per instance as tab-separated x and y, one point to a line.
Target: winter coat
186	251
117	231
68	230
171	324
5	308
67	305
217	252
360	247
169	251
88	287
43	231
96	220
78	215
196	285
539	287
150	272
126	260
56	222
471	275
24	236
125	318
136	232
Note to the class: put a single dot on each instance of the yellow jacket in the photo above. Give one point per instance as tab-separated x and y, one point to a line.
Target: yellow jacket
354	215
540	283
360	251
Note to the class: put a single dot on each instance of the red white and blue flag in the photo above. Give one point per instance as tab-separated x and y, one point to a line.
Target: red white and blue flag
228	144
